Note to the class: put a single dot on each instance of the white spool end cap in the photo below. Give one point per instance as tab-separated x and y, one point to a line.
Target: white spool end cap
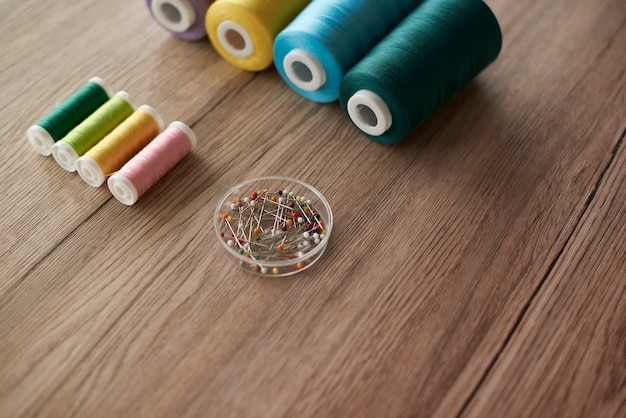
369	112
187	130
124	95
65	155
235	39
123	189
102	84
40	139
154	114
174	15
90	171
304	70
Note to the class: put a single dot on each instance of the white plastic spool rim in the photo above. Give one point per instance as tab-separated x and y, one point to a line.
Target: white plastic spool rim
304	70
175	15
369	112
235	39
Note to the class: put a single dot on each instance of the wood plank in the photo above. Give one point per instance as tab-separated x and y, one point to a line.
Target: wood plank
440	243
44	203
568	356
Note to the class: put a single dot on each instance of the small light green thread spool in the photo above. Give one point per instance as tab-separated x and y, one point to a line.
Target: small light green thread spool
89	132
119	146
67	115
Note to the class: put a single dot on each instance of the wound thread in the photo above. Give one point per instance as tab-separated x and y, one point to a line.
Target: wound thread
328	38
143	170
90	131
431	55
67	115
243	31
119	146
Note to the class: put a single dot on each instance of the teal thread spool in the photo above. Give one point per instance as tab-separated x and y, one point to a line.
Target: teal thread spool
90	131
431	55
67	115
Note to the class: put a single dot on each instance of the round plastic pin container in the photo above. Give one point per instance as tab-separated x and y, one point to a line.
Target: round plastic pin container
273	226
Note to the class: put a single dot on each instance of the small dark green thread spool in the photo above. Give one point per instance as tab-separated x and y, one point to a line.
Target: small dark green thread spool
431	55
67	115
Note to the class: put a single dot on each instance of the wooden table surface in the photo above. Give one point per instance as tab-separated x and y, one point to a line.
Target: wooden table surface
477	268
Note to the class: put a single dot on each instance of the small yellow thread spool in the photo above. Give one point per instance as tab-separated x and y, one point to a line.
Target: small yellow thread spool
119	146
243	31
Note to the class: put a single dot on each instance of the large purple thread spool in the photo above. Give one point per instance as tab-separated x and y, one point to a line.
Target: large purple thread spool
182	18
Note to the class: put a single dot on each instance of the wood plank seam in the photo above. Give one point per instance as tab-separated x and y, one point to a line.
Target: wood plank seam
549	271
37	263
218	103
52	250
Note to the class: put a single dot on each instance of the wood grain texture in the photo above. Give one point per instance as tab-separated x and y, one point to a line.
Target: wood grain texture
476	268
568	355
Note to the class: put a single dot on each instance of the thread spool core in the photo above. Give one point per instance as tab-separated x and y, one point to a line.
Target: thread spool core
123	189
40	139
235	39
174	15
65	156
90	171
369	112
304	69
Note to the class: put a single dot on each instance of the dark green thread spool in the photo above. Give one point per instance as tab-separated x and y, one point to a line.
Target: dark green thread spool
431	55
67	115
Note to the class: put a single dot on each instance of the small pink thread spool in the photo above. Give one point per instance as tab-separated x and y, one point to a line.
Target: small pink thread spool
151	163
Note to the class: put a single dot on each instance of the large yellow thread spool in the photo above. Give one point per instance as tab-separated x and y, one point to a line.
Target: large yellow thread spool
119	146
243	31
